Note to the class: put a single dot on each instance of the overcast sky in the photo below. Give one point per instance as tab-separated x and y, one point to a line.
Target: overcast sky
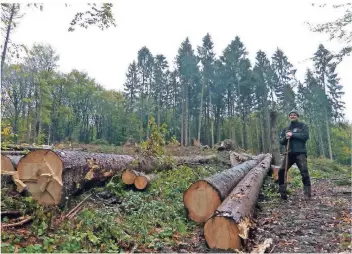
162	25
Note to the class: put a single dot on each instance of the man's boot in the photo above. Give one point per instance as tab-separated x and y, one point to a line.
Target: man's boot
307	191
283	191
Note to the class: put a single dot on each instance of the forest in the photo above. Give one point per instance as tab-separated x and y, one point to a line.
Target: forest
182	157
200	97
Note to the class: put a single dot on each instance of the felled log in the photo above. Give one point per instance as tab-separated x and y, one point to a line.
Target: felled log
52	175
204	196
142	181
129	175
232	219
227	145
8	167
238	158
194	160
13	152
25	147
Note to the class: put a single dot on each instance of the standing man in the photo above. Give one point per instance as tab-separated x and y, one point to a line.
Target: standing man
298	134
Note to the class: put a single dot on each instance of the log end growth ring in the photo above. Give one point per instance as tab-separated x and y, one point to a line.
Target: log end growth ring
6	164
141	182
41	172
128	176
222	233
201	200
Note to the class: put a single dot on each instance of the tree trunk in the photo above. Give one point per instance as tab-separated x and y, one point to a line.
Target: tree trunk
183	117
275	150
204	196
266	130
200	112
212	133
328	137
232	219
54	175
8	29
244	133
321	143
186	116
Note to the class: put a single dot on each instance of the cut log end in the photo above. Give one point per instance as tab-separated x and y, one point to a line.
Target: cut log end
222	233
41	172
128	176
141	182
201	200
6	164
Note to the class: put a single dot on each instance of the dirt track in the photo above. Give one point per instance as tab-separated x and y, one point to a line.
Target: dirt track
322	224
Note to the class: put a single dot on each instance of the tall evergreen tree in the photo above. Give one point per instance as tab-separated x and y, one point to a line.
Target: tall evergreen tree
188	71
131	86
206	56
145	68
284	81
263	74
158	88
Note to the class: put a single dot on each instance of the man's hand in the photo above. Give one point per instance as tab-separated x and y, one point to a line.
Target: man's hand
288	135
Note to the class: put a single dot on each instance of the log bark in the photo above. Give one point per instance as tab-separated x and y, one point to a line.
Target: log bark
26	147
52	176
232	219
204	196
8	168
142	181
275	145
14	152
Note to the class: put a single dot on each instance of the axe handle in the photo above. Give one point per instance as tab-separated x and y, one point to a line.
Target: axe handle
286	162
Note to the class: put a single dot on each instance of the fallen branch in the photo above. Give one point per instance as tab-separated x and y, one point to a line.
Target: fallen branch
10	213
261	248
17	223
77	206
75	212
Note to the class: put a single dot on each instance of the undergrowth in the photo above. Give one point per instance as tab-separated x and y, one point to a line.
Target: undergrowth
150	220
319	168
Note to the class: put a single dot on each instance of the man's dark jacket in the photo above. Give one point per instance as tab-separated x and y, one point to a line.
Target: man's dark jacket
300	135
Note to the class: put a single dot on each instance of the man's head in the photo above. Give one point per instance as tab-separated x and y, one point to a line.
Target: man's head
293	115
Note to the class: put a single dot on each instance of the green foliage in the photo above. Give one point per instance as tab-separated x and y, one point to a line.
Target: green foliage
341	143
174	141
155	145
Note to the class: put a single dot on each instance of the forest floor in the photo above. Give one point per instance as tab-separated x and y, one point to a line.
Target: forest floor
321	224
118	218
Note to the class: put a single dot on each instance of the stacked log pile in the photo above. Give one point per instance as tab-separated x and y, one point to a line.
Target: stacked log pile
231	221
139	179
204	196
224	201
